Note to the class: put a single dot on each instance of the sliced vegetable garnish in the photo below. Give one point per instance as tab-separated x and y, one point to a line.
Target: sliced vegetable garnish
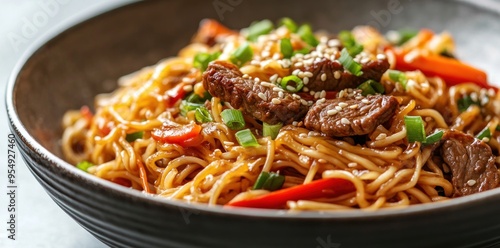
371	87
485	133
246	138
202	115
134	136
327	187
201	60
305	50
433	138
186	106
286	47
401	36
259	28
292	83
306	34
288	23
195	98
348	62
176	134
415	129
269	181
174	94
465	102
398	76
84	165
271	130
349	42
233	118
242	54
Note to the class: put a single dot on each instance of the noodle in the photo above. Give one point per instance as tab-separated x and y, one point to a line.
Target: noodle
385	170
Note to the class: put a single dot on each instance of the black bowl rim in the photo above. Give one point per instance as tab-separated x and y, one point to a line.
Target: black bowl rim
103	9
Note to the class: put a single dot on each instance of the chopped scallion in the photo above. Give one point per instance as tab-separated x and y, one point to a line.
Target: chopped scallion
371	87
186	106
202	115
233	118
406	35
349	42
271	130
348	62
433	138
465	102
195	98
305	50
84	165
269	181
133	136
201	60
246	138
289	23
292	83
306	34
399	77
414	129
242	54
259	28
286	47
485	133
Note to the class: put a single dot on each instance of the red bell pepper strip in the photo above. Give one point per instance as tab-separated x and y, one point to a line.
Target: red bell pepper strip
176	134
175	94
452	71
86	113
209	29
327	187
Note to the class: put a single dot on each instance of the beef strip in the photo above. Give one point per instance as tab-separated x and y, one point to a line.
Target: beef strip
373	69
471	162
350	121
224	80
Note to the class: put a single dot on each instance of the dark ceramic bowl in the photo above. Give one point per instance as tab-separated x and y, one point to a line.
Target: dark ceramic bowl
67	70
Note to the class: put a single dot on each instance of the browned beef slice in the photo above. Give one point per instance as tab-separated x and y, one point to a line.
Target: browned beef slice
373	69
224	80
471	162
363	119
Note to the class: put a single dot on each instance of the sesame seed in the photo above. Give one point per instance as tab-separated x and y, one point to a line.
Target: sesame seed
343	104
296	72
317	95
279	80
332	112
257	80
262	96
484	100
273	78
265	53
341	93
308	74
304	102
365	101
491	92
267	84
338	108
381	136
299	64
246	76
333	43
295	96
352	165
486	140
323	94
473	96
365	60
305	80
323	77
290	88
305	89
381	56
322	161
300	74
255	62
355	106
276	101
312	92
276	56
471	182
322	100
302	135
345	121
278	89
187	88
228	143
428	119
310	103
295	123
188	80
337	74
280	94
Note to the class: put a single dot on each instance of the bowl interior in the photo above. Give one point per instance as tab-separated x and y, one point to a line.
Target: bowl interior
70	69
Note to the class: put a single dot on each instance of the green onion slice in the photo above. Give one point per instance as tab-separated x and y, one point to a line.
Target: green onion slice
271	130
186	106
406	35
242	54
398	76
292	83
305	50
201	60
202	115
269	181
433	138
415	129
246	138
465	102
263	176
84	165
133	136
195	98
233	118
259	28
348	41
485	133
286	47
348	62
371	87
288	23
306	34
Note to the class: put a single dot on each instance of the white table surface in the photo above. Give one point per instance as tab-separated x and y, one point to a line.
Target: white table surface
40	222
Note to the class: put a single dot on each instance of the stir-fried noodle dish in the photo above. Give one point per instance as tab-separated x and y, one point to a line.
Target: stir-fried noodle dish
279	116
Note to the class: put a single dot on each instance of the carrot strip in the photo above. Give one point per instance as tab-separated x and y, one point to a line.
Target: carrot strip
209	29
144	177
